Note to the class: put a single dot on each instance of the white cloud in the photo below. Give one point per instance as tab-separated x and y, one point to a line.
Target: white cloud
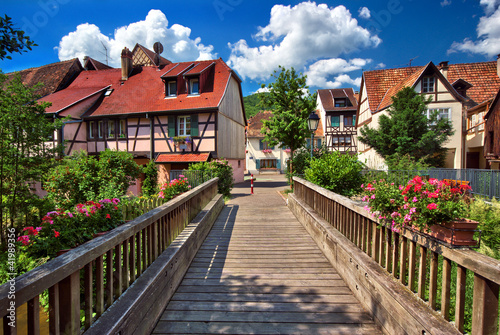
380	66
178	46
488	33
364	13
262	90
296	36
320	71
445	3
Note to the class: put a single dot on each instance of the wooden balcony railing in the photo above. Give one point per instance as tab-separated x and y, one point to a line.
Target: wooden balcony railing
447	280
101	269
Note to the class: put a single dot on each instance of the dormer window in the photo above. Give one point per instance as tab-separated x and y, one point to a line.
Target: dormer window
194	86
172	89
340	103
428	84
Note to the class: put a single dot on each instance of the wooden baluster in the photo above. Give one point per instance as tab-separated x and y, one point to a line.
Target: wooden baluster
460	299
8	330
395	253
99	290
369	235
149	230
144	251
138	250
363	233
484	306
118	271
403	260
412	258
109	277
88	294
165	232
54	310
376	242
125	271
69	304
132	259
433	280
154	242
388	248
422	273
381	259
445	290
34	316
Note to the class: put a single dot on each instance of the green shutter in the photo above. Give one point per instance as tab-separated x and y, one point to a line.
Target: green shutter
261	145
194	125
257	164
308	143
354	120
171	126
278	164
319	142
336	121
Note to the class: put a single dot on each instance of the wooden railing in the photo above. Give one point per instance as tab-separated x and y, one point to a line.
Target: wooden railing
101	269
436	273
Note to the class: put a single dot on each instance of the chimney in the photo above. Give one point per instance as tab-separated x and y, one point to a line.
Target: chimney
126	63
443	67
498	65
85	58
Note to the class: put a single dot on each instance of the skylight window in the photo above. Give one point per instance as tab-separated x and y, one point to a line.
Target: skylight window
108	92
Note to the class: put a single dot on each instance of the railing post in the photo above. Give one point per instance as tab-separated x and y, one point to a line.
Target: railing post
484	313
69	304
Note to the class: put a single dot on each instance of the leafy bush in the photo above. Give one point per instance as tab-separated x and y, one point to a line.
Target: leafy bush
150	183
174	187
405	162
218	168
302	160
337	172
80	177
488	217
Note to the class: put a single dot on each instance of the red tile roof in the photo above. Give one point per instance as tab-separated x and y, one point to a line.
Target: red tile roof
182	158
65	98
327	99
255	124
144	91
54	77
92	64
382	85
151	55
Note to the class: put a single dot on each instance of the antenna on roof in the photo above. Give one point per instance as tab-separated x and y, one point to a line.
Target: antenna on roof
105	53
411	60
158	48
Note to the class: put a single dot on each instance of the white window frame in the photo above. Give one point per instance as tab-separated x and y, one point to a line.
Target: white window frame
426	83
191	84
100	129
111	129
91	129
170	92
122	124
182	128
429	111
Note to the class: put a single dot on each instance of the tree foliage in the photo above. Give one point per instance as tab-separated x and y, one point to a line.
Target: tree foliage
406	130
290	99
150	183
80	177
25	154
11	39
217	168
253	104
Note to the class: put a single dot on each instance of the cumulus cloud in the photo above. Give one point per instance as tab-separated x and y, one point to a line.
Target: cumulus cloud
445	3
296	36
488	33
319	72
88	40
364	13
380	66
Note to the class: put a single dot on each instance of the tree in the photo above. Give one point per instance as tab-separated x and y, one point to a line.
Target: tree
290	99
406	130
11	39
25	154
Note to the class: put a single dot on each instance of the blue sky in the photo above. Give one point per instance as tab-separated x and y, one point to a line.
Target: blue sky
330	41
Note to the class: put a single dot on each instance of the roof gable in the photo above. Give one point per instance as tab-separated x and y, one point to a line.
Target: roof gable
328	97
142	56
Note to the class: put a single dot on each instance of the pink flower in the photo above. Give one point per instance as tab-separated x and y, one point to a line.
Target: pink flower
70	214
413	210
25	239
392	201
407	218
373	196
415	199
395	214
432	206
56	233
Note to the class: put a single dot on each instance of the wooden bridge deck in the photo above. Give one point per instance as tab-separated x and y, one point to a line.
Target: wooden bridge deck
259	272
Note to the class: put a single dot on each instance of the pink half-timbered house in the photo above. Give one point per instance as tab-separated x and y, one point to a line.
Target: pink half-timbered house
141	106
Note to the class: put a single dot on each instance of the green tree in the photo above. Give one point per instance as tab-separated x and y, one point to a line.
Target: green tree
12	39
26	148
252	104
81	177
406	130
150	183
290	99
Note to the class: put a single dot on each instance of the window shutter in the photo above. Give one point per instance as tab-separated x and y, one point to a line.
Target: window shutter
319	142
171	126
261	145
308	143
257	164
278	164
194	125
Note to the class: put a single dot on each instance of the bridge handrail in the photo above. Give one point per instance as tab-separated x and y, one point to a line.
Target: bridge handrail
140	241
369	234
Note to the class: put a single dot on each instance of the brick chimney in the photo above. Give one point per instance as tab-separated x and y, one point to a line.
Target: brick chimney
498	65
126	63
443	67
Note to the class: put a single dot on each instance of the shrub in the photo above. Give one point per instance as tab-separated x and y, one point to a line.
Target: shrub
150	183
217	168
174	187
488	217
302	160
337	172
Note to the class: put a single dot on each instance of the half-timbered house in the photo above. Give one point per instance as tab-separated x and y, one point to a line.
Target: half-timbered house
143	105
453	90
337	109
492	134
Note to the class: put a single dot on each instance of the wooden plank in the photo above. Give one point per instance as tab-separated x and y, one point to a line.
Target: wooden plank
53	310
460	298
99	280
422	271
433	280
412	258
69	304
275	283
403	260
132	259
485	306
118	271
109	277
304	290
88	294
34	316
272	275
445	290
233	297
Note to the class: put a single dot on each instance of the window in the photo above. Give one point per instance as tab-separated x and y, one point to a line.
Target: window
335	121
480	120
91	129
123	128
172	89
443	113
349	121
265	145
100	129
427	84
184	126
194	86
340	103
111	129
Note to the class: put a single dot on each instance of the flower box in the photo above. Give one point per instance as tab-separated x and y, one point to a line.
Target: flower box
456	233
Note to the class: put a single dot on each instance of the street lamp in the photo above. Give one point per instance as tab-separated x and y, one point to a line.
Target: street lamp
312	123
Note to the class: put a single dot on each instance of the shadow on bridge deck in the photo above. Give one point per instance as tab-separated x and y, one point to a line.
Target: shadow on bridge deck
259	272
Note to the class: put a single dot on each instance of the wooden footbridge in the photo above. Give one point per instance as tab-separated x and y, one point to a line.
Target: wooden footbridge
314	264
